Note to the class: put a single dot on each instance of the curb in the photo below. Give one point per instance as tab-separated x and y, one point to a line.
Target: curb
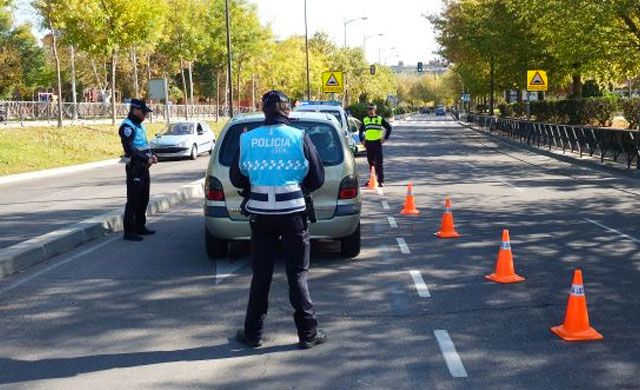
27	253
571	158
56	171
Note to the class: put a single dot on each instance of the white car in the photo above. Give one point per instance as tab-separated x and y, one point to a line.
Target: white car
334	108
184	139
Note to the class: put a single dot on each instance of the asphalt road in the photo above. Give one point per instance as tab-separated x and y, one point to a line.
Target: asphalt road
35	207
158	314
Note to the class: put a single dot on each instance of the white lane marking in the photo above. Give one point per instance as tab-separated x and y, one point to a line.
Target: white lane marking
421	286
392	222
403	246
511	185
385	205
470	165
56	265
451	357
380	191
612	230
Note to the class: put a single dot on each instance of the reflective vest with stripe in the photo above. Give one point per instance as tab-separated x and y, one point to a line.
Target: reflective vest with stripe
272	157
372	128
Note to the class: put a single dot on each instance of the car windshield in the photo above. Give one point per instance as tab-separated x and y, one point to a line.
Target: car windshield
323	136
179	129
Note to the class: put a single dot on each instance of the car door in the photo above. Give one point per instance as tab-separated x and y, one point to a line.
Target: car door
204	141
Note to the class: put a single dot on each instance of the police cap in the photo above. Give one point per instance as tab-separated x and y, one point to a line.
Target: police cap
140	104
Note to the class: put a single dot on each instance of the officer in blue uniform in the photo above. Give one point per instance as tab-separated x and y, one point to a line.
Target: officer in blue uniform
274	165
139	158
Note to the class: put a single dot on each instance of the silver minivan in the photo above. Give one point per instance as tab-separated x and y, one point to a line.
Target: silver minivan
337	203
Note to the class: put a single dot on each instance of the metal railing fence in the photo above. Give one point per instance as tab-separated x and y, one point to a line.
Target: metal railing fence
611	144
33	111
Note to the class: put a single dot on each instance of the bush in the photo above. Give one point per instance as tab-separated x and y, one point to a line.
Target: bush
359	110
599	110
631	110
506	110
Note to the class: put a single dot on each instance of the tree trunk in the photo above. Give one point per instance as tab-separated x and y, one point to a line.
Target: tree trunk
54	44
576	86
73	83
134	63
239	90
217	76
184	91
191	82
113	87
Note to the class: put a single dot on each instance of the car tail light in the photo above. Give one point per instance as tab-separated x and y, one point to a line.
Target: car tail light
348	188
213	188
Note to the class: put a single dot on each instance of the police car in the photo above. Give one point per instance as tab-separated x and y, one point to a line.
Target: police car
337	203
334	108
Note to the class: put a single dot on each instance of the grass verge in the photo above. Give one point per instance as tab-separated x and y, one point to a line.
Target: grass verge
29	149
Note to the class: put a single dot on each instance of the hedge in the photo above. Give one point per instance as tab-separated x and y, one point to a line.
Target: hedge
596	111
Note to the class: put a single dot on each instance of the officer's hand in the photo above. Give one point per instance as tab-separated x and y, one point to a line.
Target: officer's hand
382	141
150	162
155	159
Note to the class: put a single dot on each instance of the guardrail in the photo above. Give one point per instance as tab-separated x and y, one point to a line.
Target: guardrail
612	144
32	111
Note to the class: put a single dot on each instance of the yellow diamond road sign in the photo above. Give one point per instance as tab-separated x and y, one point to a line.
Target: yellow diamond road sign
332	82
537	80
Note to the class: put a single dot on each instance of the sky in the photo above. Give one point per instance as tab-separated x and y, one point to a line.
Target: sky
400	22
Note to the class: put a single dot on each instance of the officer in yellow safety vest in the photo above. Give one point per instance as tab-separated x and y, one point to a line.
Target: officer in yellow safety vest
371	137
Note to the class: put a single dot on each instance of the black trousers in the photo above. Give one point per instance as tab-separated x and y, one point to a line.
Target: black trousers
265	232
374	157
138	184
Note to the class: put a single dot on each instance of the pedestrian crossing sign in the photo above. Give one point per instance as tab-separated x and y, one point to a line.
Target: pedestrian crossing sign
537	80
332	82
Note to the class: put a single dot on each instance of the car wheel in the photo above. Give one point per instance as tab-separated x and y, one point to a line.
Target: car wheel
215	247
350	245
194	152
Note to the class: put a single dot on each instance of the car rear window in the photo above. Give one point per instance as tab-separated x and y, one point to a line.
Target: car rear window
324	138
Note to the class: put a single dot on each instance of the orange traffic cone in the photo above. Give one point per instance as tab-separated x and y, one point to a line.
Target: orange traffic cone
576	320
504	265
410	202
447	230
373	179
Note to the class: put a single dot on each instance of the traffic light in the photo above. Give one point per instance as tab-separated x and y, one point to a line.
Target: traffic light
420	67
372	69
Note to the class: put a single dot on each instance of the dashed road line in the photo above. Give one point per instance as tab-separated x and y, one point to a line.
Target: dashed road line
612	230
380	191
451	357
421	286
392	222
470	165
403	246
385	205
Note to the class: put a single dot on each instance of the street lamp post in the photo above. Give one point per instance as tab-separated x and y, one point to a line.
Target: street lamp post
364	42
229	76
426	17
380	51
345	27
306	48
346	60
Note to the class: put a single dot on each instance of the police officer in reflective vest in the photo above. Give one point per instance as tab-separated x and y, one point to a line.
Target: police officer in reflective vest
274	165
139	158
372	129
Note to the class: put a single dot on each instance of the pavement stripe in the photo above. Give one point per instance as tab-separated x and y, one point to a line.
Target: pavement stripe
385	205
380	191
451	357
470	165
403	246
392	222
612	230
56	265
421	286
